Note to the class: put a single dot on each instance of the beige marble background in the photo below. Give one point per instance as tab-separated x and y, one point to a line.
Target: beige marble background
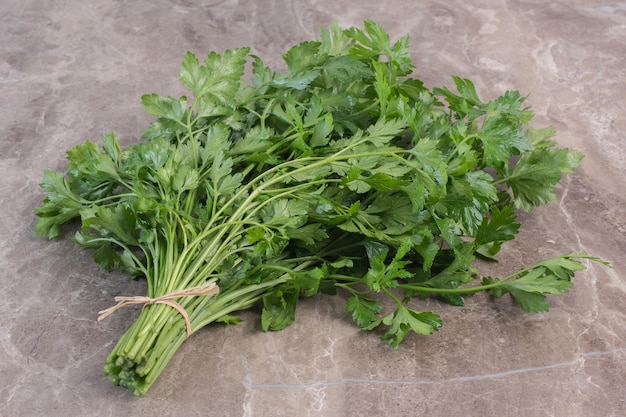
72	70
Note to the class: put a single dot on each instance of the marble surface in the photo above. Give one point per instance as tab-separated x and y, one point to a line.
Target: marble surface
72	70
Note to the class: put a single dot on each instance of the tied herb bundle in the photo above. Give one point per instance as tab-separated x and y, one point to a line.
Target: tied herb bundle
342	173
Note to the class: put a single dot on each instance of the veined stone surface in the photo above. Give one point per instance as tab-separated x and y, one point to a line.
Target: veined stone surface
72	70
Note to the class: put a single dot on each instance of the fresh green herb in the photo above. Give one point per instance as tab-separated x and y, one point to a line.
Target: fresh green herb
342	173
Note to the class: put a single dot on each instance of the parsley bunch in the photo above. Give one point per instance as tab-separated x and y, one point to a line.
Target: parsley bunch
342	173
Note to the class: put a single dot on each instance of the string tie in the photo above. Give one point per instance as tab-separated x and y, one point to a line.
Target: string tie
168	299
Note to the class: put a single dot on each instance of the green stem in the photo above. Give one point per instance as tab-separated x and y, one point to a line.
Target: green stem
167	332
475	289
393	297
464	290
456	149
507	179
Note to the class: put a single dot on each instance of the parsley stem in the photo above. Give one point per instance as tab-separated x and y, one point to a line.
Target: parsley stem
479	288
464	290
458	148
345	278
112	197
392	296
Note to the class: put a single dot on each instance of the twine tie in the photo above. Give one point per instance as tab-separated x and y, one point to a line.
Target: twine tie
168	299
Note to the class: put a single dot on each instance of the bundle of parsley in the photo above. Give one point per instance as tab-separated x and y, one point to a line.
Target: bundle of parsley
344	172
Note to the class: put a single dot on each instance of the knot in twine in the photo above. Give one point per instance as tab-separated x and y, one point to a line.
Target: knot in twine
122	301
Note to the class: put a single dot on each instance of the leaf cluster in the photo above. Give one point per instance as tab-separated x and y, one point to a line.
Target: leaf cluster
342	173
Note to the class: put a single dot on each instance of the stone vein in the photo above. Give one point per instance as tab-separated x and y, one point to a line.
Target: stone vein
345	381
568	215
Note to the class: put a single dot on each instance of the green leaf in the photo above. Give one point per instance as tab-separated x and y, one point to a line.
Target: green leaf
222	184
380	276
165	107
112	148
529	289
452	299
228	319
257	139
468	198
285	213
342	262
449	233
303	57
538	281
334	40
384	182
208	106
416	192
298	81
148	156
500	227
534	177
530	301
105	252
308	234
384	130
364	311
412	88
375	276
290	114
501	137
564	267
279	308
395	212
321	131
465	103
216	143
107	256
60	206
118	220
496	286
381	86
378	38
219	76
49	225
308	282
433	173
93	164
403	320
261	75
346	69
463	164
510	105
428	250
538	138
354	182
467	90
552	276
186	179
192	75
374	42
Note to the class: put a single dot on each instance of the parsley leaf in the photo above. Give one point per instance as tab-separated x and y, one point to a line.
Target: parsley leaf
364	311
534	177
403	320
